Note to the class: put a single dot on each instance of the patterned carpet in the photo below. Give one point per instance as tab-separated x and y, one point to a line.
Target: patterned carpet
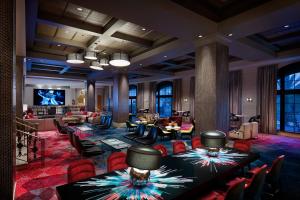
37	182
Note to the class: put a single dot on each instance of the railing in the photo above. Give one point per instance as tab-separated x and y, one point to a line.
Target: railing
29	146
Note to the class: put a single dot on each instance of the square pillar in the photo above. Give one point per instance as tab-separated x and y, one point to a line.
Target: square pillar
90	97
212	88
8	103
120	99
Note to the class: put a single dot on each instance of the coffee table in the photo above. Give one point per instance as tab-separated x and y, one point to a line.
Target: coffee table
115	143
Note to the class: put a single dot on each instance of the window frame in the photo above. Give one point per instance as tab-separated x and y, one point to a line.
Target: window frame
158	96
131	98
282	92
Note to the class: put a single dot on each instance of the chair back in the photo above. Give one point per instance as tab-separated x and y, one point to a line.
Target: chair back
236	189
152	133
273	175
109	121
102	120
179	147
128	125
76	142
140	130
70	135
116	161
255	186
241	145
163	150
57	125
254	129
196	142
80	170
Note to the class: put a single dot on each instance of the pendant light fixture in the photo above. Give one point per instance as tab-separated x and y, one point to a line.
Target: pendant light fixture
119	59
75	58
95	65
90	55
104	62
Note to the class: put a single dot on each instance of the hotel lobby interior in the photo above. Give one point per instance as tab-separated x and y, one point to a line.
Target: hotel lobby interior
149	99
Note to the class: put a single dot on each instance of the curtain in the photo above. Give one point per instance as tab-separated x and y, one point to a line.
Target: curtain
140	96
235	92
192	96
177	94
266	98
152	97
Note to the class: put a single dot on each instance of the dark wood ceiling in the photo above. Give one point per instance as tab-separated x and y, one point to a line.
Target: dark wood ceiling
218	10
281	38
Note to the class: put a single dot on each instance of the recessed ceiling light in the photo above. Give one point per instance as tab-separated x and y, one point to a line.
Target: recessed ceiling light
79	9
230	34
104	52
141	64
58	45
200	36
143	29
286	26
165	56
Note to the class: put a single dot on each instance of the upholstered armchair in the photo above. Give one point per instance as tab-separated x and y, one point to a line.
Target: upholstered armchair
254	129
243	133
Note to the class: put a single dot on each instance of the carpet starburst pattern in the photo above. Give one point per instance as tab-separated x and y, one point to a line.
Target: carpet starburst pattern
119	186
200	157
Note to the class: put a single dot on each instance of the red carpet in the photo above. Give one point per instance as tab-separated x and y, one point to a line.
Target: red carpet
37	182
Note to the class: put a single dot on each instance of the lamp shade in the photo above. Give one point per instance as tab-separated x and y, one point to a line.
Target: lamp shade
96	65
75	58
144	158
90	55
119	60
213	139
104	62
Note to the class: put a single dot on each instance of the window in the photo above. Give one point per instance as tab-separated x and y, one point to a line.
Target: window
288	99
164	99
132	99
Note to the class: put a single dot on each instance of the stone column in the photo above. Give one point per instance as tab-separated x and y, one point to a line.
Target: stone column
212	87
19	85
90	96
120	99
7	105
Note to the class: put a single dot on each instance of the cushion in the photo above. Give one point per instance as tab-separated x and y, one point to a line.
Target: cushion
94	114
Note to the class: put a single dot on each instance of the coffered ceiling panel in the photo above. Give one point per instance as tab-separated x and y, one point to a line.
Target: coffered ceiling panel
97	18
66	33
76	12
56	7
84	38
45	29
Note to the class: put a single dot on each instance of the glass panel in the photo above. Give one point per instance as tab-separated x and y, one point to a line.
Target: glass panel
165	106
133	106
132	91
289	82
278	112
165	90
278	84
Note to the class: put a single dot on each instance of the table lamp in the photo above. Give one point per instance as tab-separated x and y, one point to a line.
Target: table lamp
213	141
141	160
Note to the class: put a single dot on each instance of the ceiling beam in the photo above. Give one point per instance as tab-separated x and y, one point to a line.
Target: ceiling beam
51	51
63	22
134	39
273	14
54	75
149	72
56	41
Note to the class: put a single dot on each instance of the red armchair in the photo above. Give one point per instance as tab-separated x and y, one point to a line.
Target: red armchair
235	190
80	169
179	147
162	149
254	184
196	142
116	161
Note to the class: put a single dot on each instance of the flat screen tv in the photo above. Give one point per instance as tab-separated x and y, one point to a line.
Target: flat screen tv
48	97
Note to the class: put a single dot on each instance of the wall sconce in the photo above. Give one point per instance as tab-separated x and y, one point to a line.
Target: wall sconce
249	99
185	99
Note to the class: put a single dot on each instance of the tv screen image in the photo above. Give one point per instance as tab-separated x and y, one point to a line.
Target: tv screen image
48	97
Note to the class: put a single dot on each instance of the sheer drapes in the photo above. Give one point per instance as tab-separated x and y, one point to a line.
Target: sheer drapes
192	96
266	98
140	96
152	96
235	92
177	94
